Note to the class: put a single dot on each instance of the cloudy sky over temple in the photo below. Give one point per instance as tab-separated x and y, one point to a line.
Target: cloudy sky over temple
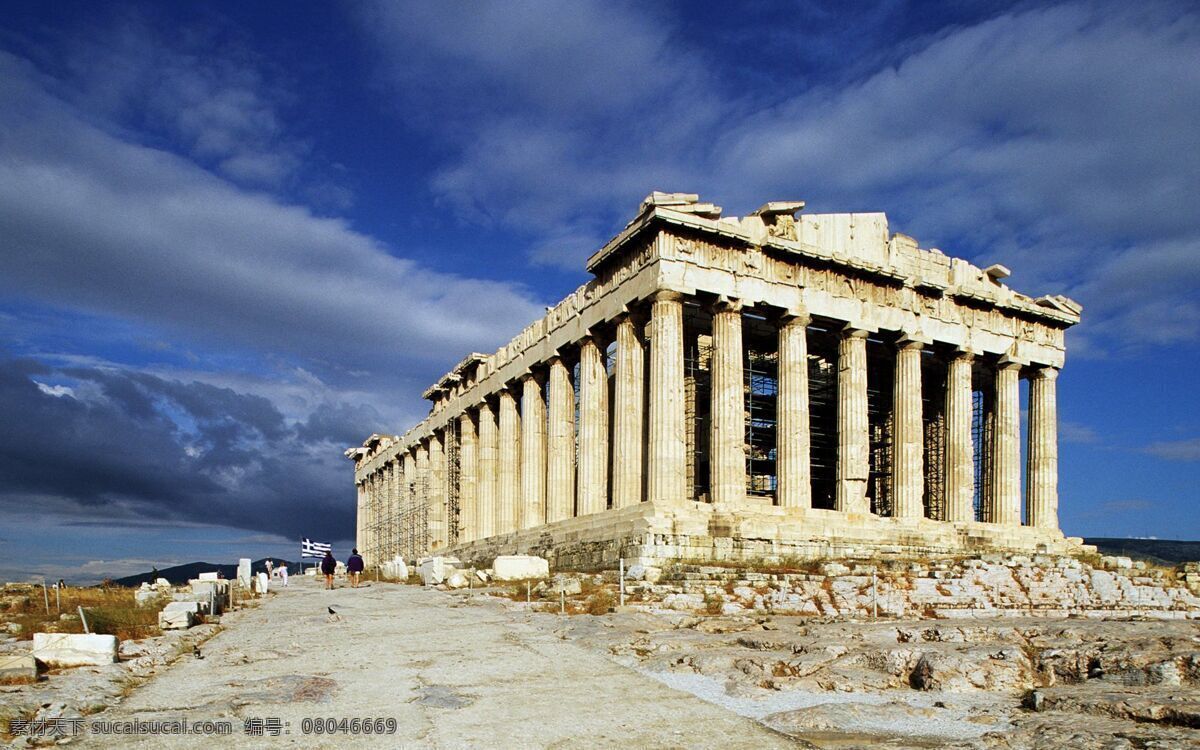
235	240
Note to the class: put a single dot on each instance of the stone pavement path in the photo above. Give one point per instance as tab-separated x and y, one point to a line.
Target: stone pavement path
451	675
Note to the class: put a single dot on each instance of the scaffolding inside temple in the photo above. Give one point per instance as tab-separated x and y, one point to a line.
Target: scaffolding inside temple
982	433
881	366
697	389
453	474
822	407
760	370
413	519
933	415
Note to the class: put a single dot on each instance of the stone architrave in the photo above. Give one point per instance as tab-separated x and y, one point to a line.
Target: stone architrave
960	451
468	510
666	446
793	447
593	428
1042	483
853	462
560	444
908	445
1006	451
629	398
486	475
508	465
533	452
727	442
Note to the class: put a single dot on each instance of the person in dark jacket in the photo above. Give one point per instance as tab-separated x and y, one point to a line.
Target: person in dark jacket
328	566
354	567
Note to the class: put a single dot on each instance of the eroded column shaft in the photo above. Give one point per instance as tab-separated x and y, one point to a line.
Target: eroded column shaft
628	414
437	492
1006	455
485	486
508	465
727	442
960	451
533	453
908	468
593	428
667	444
468	510
793	439
853	462
1042	482
560	444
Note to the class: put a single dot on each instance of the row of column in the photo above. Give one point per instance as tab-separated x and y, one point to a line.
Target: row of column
518	466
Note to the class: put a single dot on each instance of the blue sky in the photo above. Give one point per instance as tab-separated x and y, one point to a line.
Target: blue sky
236	238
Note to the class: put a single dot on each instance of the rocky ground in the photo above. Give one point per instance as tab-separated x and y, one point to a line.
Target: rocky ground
702	658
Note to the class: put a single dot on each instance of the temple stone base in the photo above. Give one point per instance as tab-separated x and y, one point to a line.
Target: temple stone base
653	534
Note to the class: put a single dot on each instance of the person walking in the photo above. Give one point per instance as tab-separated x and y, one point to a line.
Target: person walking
328	566
283	573
354	567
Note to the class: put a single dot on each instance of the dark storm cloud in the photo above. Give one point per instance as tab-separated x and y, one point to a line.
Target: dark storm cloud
118	444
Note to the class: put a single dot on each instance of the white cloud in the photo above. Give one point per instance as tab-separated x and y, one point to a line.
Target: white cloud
1176	450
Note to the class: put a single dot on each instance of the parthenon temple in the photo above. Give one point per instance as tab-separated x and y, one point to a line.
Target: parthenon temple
781	384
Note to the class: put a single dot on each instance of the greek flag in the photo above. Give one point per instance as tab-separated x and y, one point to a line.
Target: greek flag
309	548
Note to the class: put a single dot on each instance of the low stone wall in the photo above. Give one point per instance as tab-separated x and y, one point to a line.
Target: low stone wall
992	586
654	535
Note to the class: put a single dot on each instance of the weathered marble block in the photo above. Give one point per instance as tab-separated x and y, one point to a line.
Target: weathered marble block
517	567
178	615
18	667
74	649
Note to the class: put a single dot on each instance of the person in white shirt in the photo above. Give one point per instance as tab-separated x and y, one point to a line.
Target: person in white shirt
283	573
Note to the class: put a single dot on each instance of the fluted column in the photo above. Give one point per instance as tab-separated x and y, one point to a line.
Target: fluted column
560	444
360	517
1006	455
421	499
727	442
629	399
853	465
1042	483
508	465
908	468
666	447
401	524
437	492
533	453
793	442
369	487
487	474
593	428
960	451
468	470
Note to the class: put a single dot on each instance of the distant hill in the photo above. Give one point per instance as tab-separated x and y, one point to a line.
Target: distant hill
183	573
1161	551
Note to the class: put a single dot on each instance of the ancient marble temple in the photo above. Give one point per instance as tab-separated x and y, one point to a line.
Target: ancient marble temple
778	384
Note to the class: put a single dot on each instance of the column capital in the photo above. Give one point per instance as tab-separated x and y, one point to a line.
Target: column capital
1044	372
907	344
1006	363
666	295
727	304
964	355
849	331
795	316
913	339
530	375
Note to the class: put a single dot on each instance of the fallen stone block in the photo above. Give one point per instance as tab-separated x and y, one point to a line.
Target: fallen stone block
74	649
456	580
162	583
208	576
434	570
178	615
518	567
18	667
261	584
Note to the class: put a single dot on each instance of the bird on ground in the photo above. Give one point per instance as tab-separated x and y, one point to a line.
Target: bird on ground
333	616
196	652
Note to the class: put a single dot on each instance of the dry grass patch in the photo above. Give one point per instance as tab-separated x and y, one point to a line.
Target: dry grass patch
110	610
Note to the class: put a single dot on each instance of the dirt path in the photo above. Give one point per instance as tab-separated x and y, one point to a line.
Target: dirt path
450	675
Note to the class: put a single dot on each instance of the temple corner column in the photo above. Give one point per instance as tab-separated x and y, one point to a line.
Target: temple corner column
1042	480
853	460
793	436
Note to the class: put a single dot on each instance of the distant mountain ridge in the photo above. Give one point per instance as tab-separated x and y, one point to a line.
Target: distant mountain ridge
179	574
1161	551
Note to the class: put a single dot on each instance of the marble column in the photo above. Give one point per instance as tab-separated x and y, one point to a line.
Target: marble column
908	444
533	453
666	447
959	467
401	524
1041	486
468	469
560	444
1006	453
727	435
421	499
629	400
508	465
593	428
360	517
793	449
853	462
486	477
437	492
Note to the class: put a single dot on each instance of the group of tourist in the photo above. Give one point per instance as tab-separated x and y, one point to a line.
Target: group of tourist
354	568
